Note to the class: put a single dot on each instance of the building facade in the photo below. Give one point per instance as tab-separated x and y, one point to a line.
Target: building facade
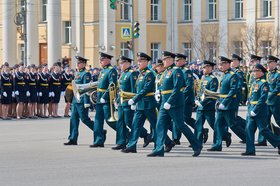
202	29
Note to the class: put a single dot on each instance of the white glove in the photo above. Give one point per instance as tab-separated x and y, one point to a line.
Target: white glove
40	94
27	93
221	106
157	92
62	93
133	107
52	94
198	103
166	106
253	114
86	105
13	94
102	100
5	94
130	102
16	93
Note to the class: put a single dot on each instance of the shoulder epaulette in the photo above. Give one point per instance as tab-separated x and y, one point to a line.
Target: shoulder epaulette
175	67
278	71
263	80
110	67
186	68
231	72
131	70
212	76
148	71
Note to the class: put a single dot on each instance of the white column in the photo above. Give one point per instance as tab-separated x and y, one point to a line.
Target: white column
169	29
196	28
142	19
175	26
223	28
277	26
9	32
251	20
32	32
77	28
54	31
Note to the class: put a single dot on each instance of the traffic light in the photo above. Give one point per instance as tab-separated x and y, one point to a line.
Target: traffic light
129	45
136	30
113	4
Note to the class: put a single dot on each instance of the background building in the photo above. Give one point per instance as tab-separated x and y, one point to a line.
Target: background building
201	29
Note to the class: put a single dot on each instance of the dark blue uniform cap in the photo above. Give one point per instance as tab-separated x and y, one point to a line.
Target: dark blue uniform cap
271	58
6	64
255	57
259	66
125	59
168	54
16	66
235	56
206	62
104	55
143	56
180	56
224	59
32	66
81	59
159	62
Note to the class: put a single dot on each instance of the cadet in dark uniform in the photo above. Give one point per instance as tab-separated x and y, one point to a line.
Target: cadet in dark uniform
144	101
227	106
66	80
21	90
55	90
107	76
6	90
258	112
43	92
32	84
80	108
206	105
172	107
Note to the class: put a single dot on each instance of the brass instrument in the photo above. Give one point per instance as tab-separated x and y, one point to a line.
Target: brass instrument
112	97
211	94
125	96
81	89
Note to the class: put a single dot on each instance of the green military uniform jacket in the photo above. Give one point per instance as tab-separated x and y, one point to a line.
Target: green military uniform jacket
240	76
273	78
107	75
189	85
82	77
172	87
145	90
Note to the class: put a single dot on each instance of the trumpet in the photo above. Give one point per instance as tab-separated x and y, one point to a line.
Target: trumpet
81	89
125	96
210	94
112	97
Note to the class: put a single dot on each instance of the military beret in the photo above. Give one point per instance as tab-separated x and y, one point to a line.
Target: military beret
159	62
206	62
6	64
255	57
143	55
105	56
180	56
235	56
167	54
125	59
224	59
259	66
81	59
271	58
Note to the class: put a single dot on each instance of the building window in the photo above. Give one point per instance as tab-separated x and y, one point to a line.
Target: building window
155	51
155	10
211	53
267	8
125	11
21	4
238	9
67	32
44	10
187	10
124	50
187	48
238	48
266	48
212	9
21	52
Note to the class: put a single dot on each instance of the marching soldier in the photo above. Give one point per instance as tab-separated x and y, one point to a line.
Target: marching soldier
43	92
254	59
172	107
206	105
144	102
258	112
80	108
159	69
66	80
6	90
227	104
55	91
107	79
32	83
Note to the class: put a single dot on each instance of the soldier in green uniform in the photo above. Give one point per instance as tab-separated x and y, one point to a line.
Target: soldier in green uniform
80	108
254	59
144	102
206	105
226	106
108	76
160	69
172	107
258	112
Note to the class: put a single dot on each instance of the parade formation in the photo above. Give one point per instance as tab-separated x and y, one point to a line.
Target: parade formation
165	93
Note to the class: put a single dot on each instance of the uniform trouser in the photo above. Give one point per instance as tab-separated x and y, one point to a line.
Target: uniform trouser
78	112
102	112
164	120
274	110
201	116
187	118
261	123
226	118
138	122
125	118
